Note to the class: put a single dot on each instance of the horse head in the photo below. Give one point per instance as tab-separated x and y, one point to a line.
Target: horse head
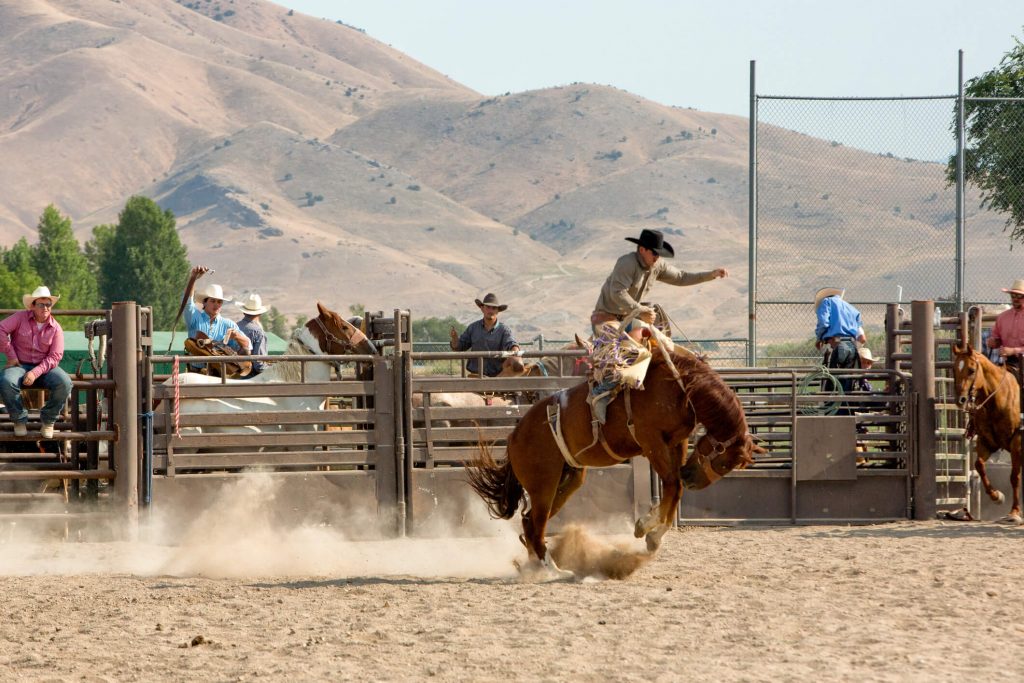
713	459
968	374
338	336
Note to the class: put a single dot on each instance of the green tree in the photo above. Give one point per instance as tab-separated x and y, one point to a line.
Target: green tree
18	276
435	329
994	149
276	322
96	251
61	264
142	260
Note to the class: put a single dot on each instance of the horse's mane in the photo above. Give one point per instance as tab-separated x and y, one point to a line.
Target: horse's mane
714	403
285	371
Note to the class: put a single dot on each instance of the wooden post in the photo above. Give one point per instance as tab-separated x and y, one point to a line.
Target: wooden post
923	369
125	362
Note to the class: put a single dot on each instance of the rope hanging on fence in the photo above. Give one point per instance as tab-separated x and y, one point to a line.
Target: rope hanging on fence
820	382
177	399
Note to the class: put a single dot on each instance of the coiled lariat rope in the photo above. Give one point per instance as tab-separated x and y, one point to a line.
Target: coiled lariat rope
821	381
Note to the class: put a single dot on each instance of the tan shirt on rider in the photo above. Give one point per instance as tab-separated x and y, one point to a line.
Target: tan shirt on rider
630	281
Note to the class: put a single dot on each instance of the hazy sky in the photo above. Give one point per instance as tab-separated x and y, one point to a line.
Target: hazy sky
693	54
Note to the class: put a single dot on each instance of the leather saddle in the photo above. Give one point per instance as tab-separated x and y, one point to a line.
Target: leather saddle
203	345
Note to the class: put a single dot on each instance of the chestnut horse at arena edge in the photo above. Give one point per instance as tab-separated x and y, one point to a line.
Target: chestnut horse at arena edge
990	395
679	392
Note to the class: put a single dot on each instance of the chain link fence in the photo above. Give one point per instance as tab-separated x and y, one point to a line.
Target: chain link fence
855	193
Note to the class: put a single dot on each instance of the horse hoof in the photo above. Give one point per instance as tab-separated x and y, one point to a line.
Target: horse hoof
535	571
638	529
997	496
653	539
1012	520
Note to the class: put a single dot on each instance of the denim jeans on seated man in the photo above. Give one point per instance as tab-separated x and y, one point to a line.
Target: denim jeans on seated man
56	381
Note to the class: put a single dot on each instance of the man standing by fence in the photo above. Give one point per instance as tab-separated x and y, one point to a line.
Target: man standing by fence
839	329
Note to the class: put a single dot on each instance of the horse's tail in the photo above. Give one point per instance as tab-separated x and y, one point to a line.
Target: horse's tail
496	484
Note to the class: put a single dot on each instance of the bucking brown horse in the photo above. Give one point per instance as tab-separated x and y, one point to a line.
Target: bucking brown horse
679	392
991	397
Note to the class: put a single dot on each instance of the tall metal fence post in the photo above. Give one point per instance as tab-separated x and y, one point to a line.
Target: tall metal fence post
923	368
752	224
384	459
125	364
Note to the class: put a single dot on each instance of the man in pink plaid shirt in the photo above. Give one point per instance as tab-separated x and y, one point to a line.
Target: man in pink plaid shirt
34	344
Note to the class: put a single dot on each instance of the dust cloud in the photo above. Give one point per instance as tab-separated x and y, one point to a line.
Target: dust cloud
235	537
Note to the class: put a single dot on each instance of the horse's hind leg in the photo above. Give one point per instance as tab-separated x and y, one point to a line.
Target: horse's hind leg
1015	472
572	479
535	522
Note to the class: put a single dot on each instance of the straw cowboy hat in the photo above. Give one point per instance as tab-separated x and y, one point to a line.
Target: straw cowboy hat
211	291
490	299
655	241
1016	288
865	354
826	292
41	292
253	305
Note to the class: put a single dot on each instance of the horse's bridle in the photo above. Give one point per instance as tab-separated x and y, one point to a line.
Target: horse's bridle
332	338
971	408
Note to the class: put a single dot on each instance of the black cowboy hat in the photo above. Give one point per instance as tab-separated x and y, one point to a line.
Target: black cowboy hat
490	299
655	241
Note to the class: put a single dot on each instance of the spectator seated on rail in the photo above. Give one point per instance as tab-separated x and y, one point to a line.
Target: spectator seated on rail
33	342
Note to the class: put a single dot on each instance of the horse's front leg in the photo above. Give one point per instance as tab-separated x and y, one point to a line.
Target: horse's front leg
979	467
652	526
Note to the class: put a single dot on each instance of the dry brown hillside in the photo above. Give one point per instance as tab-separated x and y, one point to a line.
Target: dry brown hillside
309	161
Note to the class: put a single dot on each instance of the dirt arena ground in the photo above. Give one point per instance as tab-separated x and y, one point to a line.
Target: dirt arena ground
931	601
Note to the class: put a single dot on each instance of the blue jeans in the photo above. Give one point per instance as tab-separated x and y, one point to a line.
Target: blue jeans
56	381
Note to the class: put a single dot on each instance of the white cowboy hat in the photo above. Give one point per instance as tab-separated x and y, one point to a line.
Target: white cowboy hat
253	305
865	353
41	292
211	292
826	292
1016	288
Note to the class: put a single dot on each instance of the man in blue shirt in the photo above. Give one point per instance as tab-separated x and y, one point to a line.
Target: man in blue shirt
208	319
486	334
839	328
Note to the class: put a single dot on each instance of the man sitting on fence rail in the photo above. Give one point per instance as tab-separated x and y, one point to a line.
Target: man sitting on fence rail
1008	332
34	344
